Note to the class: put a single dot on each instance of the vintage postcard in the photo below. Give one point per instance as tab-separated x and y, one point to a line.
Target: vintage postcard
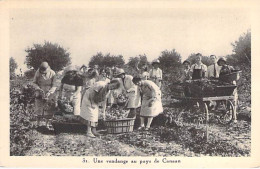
143	84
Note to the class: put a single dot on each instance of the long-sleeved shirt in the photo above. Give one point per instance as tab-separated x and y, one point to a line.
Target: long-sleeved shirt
47	82
210	71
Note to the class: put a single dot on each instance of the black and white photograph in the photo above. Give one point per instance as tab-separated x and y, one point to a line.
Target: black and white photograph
129	81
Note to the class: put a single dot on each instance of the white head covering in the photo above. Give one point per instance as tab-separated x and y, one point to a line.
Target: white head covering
156	61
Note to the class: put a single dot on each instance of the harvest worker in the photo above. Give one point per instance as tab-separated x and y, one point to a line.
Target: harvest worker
198	70
71	86
89	108
84	69
45	78
214	69
143	71
103	77
155	73
186	70
134	99
151	101
226	69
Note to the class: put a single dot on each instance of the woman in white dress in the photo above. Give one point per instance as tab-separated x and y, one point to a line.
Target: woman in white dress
91	99
151	101
131	91
71	86
155	73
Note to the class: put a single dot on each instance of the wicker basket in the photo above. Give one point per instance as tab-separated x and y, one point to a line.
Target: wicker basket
230	77
120	126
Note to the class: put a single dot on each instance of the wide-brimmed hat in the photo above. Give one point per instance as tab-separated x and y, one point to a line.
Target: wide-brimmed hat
222	59
186	61
156	61
119	72
44	67
70	68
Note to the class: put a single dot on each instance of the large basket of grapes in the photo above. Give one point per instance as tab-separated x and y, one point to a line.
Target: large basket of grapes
120	125
117	121
230	77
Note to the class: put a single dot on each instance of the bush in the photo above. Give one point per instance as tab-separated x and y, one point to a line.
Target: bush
21	114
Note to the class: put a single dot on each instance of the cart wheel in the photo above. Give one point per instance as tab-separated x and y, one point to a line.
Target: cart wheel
227	115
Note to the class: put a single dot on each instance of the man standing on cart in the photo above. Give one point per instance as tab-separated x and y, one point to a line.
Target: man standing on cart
198	70
225	70
214	69
45	78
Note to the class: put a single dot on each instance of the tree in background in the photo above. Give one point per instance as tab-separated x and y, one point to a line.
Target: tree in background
140	60
242	50
12	67
170	63
169	59
54	54
205	59
106	60
241	59
134	62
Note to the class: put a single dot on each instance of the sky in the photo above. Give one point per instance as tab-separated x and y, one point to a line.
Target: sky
128	32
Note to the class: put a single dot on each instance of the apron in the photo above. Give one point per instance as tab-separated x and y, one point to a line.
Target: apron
156	108
89	112
134	98
68	93
198	74
41	107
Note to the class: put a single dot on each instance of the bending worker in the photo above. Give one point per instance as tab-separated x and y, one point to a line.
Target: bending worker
45	78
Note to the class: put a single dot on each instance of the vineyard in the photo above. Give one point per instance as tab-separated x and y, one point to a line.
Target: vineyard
169	135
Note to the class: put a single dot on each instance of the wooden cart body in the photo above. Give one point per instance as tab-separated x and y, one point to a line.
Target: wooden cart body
230	113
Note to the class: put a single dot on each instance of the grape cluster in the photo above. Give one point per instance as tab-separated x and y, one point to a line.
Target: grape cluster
65	106
116	111
121	99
